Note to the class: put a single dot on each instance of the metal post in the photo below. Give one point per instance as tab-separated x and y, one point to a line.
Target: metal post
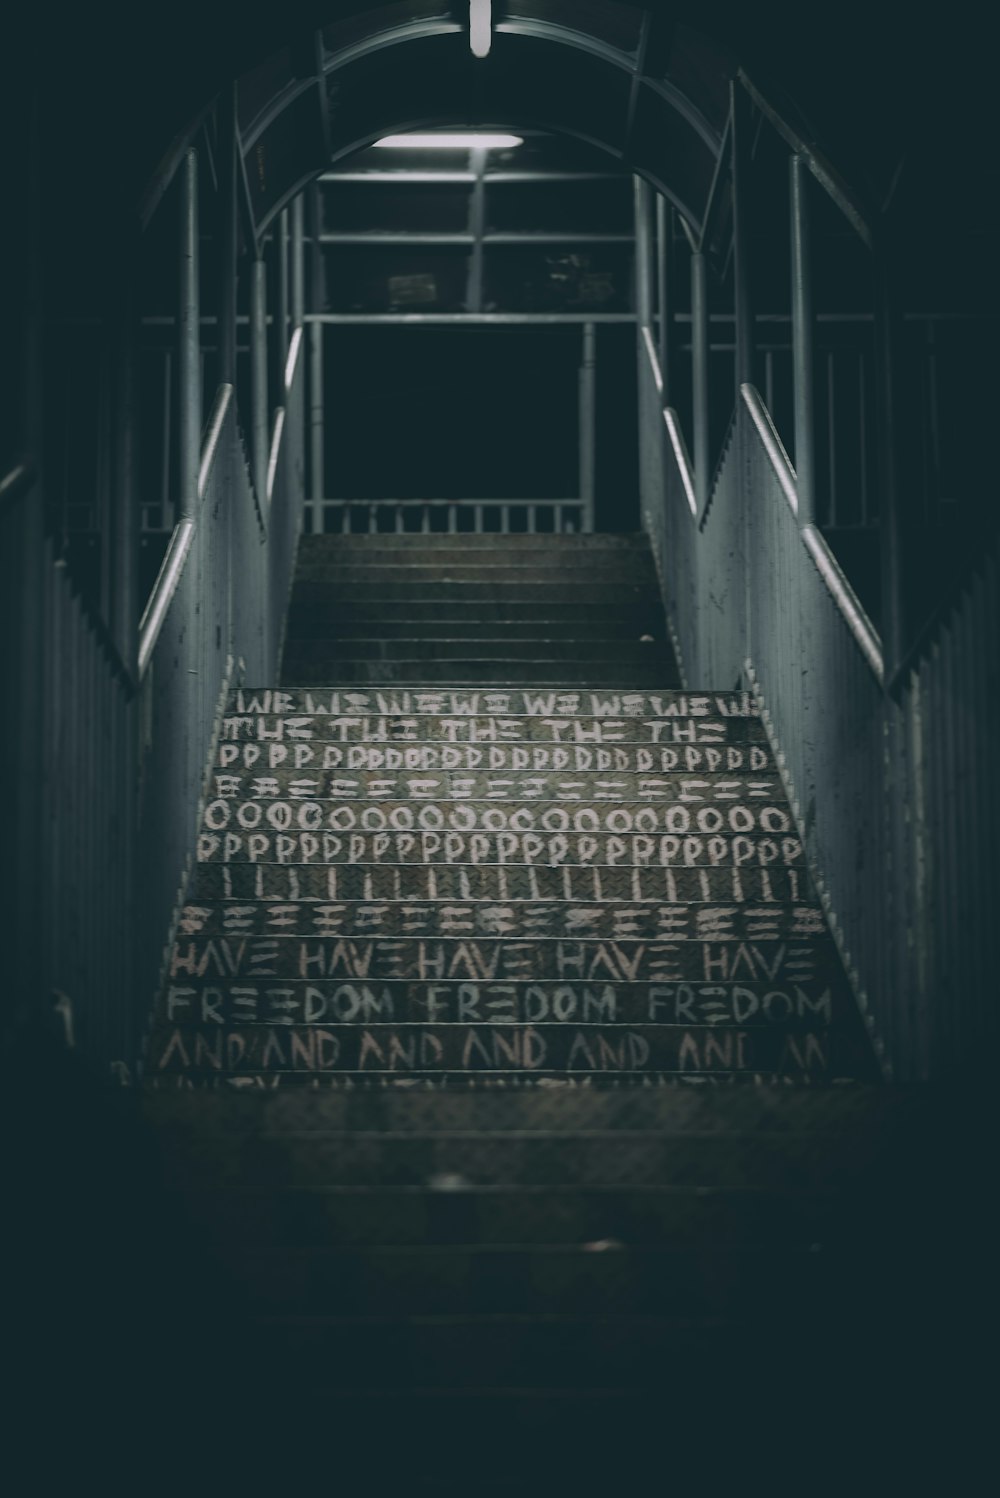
739	104
803	374
279	309
125	508
894	517
699	376
228	227
258	376
317	301
189	350
664	250
587	424
298	268
643	256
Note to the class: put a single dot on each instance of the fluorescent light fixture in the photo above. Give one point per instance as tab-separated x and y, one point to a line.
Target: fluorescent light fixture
458	140
480	27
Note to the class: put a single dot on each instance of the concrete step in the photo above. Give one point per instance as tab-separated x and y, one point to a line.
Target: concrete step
299	765
333	652
382	717
470	672
507	587
783	1160
448	1053
735	1284
537	543
687	957
311	1001
496	562
590	788
580	850
516	919
342	624
311	602
632	887
374	1214
546	701
860	1112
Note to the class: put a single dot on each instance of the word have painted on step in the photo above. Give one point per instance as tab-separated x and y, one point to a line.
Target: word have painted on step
459	1048
459	882
619	922
298	728
499	1004
538	704
427	758
504	959
510	848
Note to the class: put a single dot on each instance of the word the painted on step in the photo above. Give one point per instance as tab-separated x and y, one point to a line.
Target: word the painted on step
298	729
512	848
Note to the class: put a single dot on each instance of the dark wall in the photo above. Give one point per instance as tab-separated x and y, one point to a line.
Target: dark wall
441	413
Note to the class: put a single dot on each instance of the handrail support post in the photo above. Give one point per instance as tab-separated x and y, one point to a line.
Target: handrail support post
803	364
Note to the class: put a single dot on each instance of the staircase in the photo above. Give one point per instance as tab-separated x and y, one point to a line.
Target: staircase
506	1063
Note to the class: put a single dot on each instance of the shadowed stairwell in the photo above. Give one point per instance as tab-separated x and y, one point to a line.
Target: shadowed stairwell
506	1060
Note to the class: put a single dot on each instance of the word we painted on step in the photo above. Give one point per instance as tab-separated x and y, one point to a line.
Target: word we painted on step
540	704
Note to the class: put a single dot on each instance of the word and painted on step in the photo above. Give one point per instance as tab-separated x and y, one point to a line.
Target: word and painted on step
456	959
297	729
621	922
567	1049
323	1003
537	704
459	882
641	850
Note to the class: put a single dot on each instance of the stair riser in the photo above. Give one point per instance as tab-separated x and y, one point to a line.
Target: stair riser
554	703
627	654
290	765
395	731
335	625
473	671
456	1284
377	882
298	1002
589	789
508	849
457	1052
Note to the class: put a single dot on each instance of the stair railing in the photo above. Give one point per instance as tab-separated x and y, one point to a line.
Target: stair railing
883	777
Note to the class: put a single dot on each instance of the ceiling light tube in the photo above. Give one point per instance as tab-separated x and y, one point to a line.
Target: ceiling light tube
480	27
464	140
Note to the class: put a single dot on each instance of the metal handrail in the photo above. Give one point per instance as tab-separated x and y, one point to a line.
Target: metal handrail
673	425
847	601
16	482
292	360
277	433
773	446
213	433
179	548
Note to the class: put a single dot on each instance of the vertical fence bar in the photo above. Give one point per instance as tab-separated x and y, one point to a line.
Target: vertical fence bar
740	135
258	376
587	424
699	375
228	237
297	299
664	253
643	251
803	368
188	339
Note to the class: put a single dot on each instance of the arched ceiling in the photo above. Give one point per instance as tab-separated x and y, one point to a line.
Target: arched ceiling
647	89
